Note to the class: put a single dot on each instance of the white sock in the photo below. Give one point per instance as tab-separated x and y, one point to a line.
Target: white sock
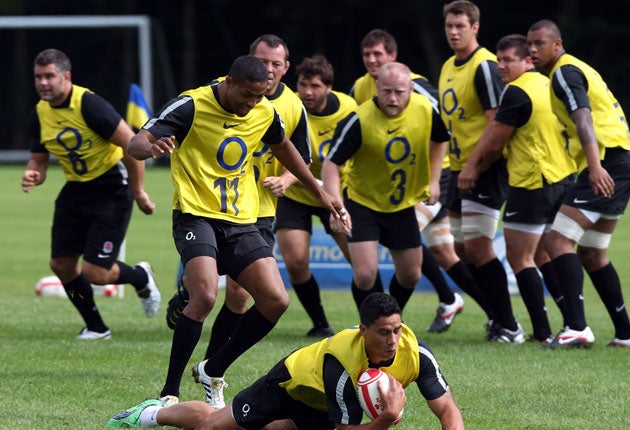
148	417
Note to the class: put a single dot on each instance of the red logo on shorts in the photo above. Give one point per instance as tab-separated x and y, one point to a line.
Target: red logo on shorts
108	247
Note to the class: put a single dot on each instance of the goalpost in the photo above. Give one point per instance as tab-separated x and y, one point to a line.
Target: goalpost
141	22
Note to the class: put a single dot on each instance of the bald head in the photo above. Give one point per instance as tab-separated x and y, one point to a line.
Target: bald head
394	69
394	87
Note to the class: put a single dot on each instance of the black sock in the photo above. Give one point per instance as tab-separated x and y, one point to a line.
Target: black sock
569	269
308	294
224	325
136	276
474	272
185	338
80	293
400	293
251	328
431	269
606	282
495	279
554	288
460	274
531	289
359	295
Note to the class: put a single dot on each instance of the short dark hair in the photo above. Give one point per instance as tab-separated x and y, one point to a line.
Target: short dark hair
247	68
271	40
376	36
317	65
466	7
377	305
53	56
516	41
548	25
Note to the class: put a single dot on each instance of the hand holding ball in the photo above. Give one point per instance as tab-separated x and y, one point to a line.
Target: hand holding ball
370	397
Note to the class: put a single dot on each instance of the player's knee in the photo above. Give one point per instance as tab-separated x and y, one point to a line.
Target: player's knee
297	268
445	255
408	275
409	278
203	295
282	304
274	305
555	243
63	268
480	250
364	278
275	311
100	275
592	258
541	256
460	251
97	277
236	297
518	261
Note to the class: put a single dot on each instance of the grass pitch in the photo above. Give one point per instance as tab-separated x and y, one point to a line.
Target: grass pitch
50	381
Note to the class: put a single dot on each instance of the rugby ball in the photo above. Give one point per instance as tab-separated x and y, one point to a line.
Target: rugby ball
109	290
51	286
369	396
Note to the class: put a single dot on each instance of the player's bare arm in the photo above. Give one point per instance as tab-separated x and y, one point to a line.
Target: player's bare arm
470	173
447	412
332	184
490	150
331	178
121	137
437	151
599	177
497	141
